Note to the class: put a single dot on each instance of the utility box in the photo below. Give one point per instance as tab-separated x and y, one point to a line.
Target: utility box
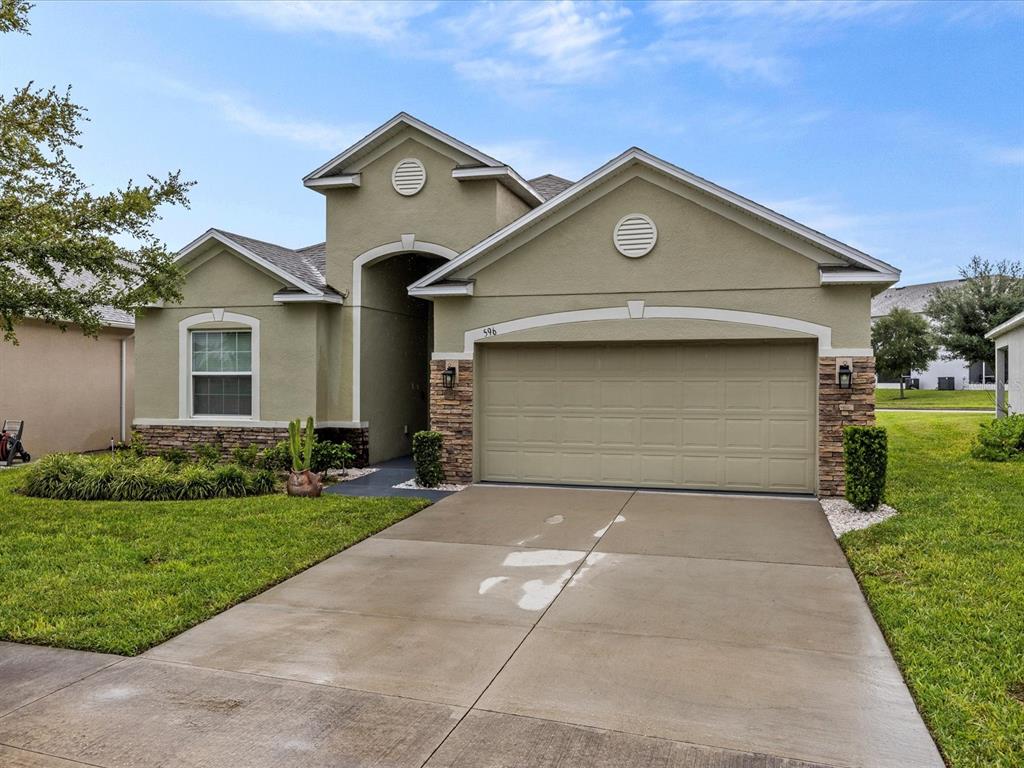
947	383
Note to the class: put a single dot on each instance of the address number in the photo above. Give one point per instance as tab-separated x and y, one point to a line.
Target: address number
491	331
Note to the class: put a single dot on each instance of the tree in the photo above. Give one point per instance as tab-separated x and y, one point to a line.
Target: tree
902	341
64	250
991	294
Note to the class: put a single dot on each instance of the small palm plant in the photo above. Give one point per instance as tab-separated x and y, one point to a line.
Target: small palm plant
302	481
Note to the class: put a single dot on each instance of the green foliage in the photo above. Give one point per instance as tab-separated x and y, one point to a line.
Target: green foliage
327	455
207	453
1000	439
301	450
65	249
902	342
246	457
174	455
137	445
865	453
992	294
276	458
426	455
126	477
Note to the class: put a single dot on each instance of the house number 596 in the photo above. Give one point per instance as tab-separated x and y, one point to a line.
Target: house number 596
490	331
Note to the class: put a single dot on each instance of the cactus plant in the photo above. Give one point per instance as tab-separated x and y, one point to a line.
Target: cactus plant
301	450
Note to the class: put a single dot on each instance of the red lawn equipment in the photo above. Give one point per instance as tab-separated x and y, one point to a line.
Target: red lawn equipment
10	443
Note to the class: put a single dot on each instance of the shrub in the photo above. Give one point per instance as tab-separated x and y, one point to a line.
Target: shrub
327	455
866	452
174	455
127	477
1000	439
207	453
275	459
246	457
426	455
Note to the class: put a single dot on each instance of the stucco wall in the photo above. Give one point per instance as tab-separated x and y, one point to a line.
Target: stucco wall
292	342
66	387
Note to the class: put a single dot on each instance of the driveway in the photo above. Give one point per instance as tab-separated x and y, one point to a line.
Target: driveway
510	628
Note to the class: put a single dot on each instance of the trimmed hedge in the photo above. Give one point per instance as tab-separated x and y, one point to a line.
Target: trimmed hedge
128	477
1000	439
866	455
426	455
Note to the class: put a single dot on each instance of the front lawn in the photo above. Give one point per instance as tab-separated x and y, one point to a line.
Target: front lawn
122	576
964	399
945	579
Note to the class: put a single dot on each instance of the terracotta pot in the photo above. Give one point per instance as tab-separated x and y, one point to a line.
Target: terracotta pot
304	483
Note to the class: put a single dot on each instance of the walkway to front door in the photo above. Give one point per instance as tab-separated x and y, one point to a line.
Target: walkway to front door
519	628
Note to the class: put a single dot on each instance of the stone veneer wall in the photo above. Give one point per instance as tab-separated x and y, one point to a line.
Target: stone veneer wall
157	438
838	408
451	414
357	437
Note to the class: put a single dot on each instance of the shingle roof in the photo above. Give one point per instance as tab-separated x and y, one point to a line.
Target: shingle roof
108	315
912	297
308	264
549	185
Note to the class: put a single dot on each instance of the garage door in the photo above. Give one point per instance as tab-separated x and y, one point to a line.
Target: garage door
723	416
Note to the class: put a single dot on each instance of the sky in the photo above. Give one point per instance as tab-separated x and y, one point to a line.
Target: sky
897	127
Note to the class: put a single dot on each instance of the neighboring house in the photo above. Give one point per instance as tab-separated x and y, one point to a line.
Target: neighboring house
74	392
915	298
640	327
1009	341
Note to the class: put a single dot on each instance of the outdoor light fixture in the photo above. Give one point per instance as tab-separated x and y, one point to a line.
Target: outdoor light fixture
448	378
844	375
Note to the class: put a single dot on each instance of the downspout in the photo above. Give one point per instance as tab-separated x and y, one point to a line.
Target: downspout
124	387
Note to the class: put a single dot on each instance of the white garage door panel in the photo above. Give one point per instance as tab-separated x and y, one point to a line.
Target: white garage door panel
725	416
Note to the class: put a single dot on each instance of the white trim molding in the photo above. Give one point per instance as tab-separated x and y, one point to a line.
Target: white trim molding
301	298
407	244
1014	322
506	176
185	365
855	277
143	421
443	289
343	181
638	310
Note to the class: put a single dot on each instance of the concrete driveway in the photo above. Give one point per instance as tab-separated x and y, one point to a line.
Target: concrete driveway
505	628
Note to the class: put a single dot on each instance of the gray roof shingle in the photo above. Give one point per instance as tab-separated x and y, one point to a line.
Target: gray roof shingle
912	297
549	185
307	264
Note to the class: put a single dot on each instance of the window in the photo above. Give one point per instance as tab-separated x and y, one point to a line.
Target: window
1003	364
221	373
982	373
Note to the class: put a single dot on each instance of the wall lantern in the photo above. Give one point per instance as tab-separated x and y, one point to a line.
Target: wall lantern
844	374
448	378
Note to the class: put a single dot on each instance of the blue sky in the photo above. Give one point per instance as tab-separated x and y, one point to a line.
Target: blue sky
895	126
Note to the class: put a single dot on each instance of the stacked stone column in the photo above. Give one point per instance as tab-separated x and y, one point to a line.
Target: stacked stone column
451	414
838	408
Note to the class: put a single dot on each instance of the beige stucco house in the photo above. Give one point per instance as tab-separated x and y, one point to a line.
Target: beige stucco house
640	327
73	392
1009	341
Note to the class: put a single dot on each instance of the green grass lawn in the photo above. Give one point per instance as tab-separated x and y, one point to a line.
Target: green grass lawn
123	576
967	399
945	579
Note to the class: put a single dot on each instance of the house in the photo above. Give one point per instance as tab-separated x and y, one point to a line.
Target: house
74	392
1009	341
955	373
639	327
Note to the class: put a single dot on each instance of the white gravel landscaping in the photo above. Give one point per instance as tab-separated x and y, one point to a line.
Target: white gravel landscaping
413	485
336	476
844	517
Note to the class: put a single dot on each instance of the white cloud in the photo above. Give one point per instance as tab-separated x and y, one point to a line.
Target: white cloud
1004	155
379	21
238	110
534	157
731	58
794	11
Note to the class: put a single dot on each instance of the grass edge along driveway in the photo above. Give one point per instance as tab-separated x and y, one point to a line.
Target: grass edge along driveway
121	577
945	580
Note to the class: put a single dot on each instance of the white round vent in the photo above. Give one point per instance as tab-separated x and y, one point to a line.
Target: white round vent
409	176
635	235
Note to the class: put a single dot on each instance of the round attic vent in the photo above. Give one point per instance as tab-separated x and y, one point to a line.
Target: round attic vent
635	235
409	176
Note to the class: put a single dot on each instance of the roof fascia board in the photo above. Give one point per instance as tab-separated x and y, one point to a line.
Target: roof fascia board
344	181
507	177
304	298
638	155
443	289
856	277
1014	322
212	235
401	118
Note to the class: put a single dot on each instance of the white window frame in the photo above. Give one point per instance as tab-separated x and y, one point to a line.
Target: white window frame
236	322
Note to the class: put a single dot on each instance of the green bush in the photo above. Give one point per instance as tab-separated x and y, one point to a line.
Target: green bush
207	453
327	455
174	455
866	453
276	458
426	455
127	477
1000	439
246	457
